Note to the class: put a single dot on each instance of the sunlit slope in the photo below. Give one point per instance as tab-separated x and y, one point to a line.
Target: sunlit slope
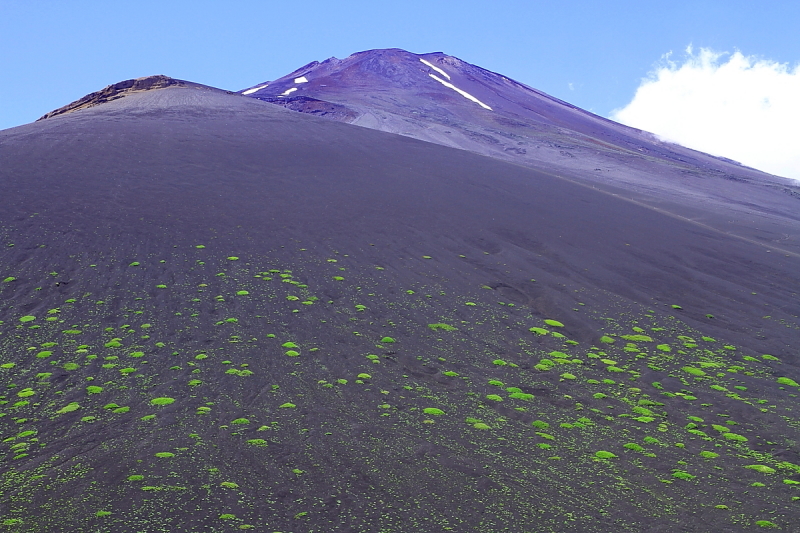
222	315
441	99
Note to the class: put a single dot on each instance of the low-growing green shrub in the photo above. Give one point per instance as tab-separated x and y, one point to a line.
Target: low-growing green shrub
602	454
735	437
764	469
162	401
522	396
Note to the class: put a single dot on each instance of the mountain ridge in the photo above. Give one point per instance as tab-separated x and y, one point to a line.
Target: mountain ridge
385	61
394	90
115	91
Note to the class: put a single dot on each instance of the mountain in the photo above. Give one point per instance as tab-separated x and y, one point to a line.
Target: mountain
219	314
442	99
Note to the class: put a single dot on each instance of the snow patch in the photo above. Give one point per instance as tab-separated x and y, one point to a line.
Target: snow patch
465	94
287	92
301	79
434	67
254	89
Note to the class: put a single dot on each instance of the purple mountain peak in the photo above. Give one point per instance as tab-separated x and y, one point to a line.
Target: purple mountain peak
442	99
435	74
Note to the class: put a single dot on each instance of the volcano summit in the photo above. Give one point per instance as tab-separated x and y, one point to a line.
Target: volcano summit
442	99
219	314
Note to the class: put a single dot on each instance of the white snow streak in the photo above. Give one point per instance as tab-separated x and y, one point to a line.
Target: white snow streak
254	89
465	94
287	92
301	79
437	69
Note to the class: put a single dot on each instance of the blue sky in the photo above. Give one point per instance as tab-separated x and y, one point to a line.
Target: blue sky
592	54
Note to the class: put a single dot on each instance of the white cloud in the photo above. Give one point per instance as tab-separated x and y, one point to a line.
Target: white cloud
729	105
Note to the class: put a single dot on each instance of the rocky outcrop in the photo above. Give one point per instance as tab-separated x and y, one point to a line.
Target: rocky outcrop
116	91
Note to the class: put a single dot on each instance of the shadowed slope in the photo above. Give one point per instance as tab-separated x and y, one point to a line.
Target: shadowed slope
230	315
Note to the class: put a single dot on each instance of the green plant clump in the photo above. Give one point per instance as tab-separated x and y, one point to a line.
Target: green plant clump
445	327
764	469
602	454
735	437
693	371
162	401
638	338
522	396
70	407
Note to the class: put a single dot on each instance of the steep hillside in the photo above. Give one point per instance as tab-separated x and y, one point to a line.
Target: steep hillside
220	315
441	99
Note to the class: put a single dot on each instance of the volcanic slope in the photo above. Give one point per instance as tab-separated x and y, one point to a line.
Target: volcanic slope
442	99
219	315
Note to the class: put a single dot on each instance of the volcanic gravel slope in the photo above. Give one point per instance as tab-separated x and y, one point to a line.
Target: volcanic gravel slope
442	99
219	315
